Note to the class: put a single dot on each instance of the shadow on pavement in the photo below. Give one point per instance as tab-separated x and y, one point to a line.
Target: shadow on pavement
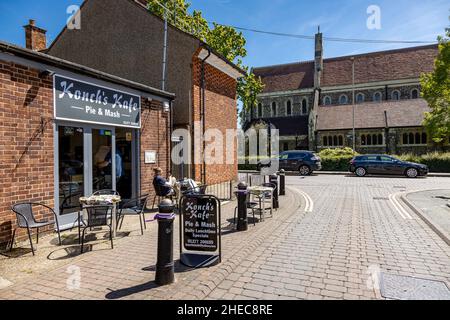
122	293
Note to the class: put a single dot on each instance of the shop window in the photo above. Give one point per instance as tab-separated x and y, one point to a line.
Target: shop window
289	108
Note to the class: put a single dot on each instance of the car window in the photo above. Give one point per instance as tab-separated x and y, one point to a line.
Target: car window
372	158
387	159
284	156
295	155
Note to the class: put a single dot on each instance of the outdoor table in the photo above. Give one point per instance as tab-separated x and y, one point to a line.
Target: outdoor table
108	200
261	192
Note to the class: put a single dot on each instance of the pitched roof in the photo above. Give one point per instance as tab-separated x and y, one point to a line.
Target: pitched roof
287	77
396	64
402	113
287	126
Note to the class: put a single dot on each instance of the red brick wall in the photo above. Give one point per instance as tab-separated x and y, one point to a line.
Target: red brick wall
26	141
154	137
221	114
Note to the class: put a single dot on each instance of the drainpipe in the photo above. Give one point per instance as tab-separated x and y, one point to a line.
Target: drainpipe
203	112
386	131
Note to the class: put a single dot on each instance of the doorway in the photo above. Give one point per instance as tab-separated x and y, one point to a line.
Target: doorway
91	158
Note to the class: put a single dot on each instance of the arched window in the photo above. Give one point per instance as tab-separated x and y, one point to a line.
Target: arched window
405	138
363	140
260	110
274	109
341	140
414	94
411	138
369	140
380	139
304	107
327	101
343	99
377	97
289	108
374	139
325	141
395	95
335	141
360	98
418	138
330	141
424	138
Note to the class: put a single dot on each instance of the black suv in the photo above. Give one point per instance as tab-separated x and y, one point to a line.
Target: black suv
386	165
305	162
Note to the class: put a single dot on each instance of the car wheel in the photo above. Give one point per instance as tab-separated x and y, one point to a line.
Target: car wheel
361	172
412	173
305	170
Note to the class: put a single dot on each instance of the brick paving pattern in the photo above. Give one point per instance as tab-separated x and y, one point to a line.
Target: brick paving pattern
331	253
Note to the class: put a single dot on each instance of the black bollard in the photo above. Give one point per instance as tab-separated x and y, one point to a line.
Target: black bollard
273	179
282	182
241	195
165	267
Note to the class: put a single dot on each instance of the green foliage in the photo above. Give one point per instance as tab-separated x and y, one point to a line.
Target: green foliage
436	90
436	161
223	39
337	152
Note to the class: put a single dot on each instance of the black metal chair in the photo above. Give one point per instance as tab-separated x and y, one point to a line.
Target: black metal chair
134	207
159	194
26	219
250	206
97	216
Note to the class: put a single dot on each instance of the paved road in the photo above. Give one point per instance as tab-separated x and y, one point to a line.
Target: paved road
356	229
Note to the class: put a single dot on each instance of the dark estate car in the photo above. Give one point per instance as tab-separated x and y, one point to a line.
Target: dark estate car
386	165
305	162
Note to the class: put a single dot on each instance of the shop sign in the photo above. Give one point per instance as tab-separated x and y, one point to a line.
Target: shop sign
85	102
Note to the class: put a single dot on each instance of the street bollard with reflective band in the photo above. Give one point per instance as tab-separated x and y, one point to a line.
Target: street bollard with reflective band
273	179
165	267
282	182
241	195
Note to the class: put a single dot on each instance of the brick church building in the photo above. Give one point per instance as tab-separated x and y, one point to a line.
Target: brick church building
311	102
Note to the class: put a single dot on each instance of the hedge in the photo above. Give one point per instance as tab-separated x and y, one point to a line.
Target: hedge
339	159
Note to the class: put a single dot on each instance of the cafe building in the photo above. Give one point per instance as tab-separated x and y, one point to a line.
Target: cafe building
67	130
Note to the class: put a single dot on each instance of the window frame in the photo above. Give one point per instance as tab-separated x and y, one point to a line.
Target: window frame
399	95
360	94
378	93
346	99
325	101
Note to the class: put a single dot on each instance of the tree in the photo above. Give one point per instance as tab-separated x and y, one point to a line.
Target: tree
436	91
248	89
223	39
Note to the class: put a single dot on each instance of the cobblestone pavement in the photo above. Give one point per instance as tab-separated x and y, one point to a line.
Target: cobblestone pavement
338	250
354	231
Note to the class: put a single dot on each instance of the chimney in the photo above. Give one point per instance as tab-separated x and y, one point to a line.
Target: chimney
35	37
318	58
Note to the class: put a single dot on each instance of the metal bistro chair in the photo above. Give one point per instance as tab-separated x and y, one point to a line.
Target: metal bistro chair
97	216
269	196
250	205
134	207
26	219
159	194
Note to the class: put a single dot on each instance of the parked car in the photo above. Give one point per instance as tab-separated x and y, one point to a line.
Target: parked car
305	162
386	165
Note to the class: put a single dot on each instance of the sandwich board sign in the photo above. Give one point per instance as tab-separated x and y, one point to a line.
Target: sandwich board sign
200	234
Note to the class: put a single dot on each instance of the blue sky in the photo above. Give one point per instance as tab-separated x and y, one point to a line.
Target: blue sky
400	20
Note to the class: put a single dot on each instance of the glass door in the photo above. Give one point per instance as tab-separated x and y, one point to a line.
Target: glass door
90	158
